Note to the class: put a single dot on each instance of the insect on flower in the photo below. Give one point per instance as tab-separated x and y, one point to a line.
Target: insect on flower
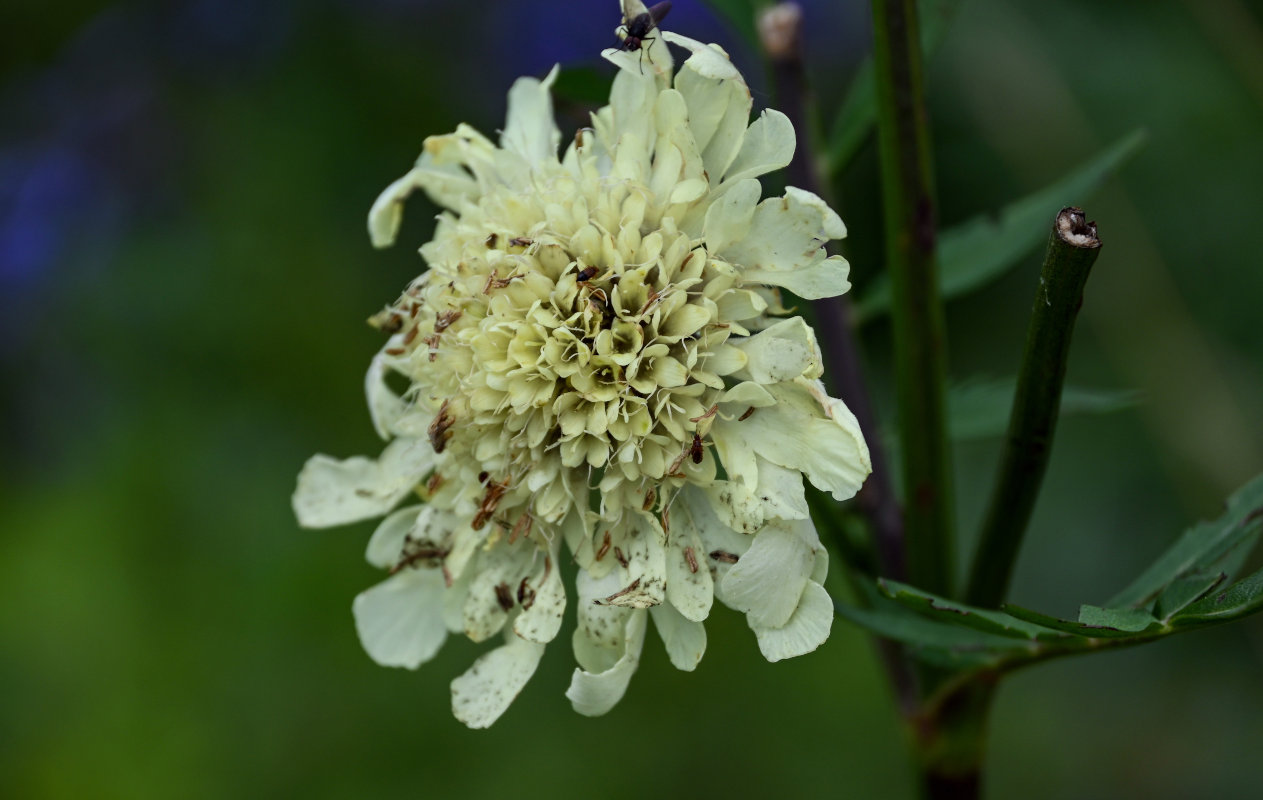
638	21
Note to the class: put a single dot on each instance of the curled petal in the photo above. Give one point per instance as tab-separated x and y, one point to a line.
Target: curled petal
708	60
785	246
591	692
781	491
386	544
488	687
808	431
448	185
808	627
384	406
768	580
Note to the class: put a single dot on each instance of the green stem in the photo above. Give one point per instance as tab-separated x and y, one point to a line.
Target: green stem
780	30
917	314
950	739
856	112
1072	250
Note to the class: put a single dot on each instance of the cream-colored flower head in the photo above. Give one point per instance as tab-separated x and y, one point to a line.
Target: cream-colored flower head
597	357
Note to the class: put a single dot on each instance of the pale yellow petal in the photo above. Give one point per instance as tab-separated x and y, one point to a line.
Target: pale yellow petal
768	145
684	639
808	627
400	620
488	687
768	580
529	130
332	492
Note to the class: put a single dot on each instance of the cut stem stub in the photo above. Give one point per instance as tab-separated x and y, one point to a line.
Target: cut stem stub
1072	250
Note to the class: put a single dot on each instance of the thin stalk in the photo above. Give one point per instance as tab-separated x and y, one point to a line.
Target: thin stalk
951	740
917	313
1072	250
780	29
858	109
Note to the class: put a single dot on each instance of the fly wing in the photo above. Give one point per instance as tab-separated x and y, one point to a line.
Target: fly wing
633	9
658	11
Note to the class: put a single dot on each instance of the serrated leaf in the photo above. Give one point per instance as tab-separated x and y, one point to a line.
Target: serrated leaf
953	613
980	408
1067	626
740	14
1179	592
1241	599
980	250
1127	620
1185	591
1206	547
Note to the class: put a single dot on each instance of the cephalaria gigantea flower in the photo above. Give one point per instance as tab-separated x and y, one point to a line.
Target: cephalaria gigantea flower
600	372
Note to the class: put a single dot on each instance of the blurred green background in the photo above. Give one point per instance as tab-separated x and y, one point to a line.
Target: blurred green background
184	278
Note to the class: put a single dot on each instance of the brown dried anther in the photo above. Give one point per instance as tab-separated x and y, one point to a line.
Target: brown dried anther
440	429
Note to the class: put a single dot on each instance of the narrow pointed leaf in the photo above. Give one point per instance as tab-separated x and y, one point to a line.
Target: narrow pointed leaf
953	613
1127	620
1205	547
854	120
979	409
980	250
1089	631
1241	599
893	621
1185	591
855	117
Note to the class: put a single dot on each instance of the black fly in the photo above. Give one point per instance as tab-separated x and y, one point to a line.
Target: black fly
638	21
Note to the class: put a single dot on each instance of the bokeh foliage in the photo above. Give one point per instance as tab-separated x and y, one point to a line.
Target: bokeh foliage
197	331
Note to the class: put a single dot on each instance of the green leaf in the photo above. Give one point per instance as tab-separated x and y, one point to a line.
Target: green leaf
1239	600
1127	620
740	14
980	408
1182	592
858	112
1179	592
953	613
980	250
1206	547
944	646
910	628
1088	631
949	646
854	120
